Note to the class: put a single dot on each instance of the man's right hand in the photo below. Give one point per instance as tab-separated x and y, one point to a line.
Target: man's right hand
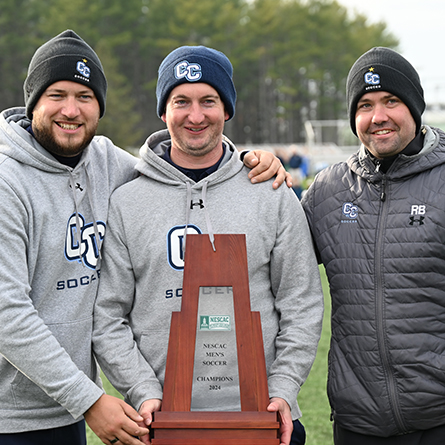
146	411
111	418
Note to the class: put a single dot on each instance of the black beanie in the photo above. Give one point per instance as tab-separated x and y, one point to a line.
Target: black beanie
382	69
64	57
196	64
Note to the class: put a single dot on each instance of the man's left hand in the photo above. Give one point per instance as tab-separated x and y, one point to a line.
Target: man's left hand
286	426
264	166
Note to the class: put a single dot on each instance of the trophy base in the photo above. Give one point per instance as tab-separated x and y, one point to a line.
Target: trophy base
215	428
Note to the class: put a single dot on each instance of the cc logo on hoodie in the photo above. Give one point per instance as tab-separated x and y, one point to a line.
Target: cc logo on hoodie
80	242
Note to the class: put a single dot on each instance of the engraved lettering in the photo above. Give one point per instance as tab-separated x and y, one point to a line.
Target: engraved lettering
214	346
214	379
214	363
214	354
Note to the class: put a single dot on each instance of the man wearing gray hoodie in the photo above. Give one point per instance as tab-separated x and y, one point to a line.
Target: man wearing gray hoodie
56	178
192	181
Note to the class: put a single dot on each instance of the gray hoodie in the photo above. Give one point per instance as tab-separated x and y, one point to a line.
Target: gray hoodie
52	216
142	271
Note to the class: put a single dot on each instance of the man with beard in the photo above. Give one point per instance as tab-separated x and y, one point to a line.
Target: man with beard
56	178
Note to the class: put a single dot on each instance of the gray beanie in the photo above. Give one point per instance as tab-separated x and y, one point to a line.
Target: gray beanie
196	64
382	69
64	57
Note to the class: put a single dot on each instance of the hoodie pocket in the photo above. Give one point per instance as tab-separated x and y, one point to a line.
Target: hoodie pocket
75	338
27	395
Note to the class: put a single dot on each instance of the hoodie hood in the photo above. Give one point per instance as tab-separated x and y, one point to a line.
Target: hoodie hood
155	167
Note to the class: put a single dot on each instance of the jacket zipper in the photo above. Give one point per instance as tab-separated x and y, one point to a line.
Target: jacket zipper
380	325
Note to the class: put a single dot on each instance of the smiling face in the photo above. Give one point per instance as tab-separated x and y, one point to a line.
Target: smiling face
65	118
195	117
384	124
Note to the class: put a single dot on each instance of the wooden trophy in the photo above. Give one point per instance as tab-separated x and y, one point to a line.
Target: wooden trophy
215	355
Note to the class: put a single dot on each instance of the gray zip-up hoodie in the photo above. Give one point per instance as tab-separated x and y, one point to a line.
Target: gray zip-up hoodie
52	216
142	270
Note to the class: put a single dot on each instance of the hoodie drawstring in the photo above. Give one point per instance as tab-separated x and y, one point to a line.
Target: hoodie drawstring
78	225
90	199
189	206
209	225
187	214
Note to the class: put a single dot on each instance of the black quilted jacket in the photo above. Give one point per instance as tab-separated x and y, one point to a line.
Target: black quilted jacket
381	238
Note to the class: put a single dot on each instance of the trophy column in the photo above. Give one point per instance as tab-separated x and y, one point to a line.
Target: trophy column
215	355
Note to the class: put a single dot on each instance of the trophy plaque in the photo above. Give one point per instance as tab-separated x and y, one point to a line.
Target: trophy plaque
215	355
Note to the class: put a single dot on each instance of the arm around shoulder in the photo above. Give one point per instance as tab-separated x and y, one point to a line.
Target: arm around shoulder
265	165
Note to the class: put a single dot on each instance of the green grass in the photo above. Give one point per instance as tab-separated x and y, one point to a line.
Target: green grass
312	399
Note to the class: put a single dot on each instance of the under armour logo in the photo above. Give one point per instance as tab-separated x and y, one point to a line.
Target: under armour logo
417	210
191	71
78	187
200	203
413	220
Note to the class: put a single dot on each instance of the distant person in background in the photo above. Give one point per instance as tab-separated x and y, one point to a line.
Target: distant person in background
295	169
378	223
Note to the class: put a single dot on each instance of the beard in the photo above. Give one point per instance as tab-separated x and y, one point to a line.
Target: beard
46	139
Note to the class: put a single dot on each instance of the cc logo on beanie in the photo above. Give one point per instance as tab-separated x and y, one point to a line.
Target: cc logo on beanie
83	69
372	78
192	72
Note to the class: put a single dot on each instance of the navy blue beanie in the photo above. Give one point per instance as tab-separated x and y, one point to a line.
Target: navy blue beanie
383	69
65	57
196	64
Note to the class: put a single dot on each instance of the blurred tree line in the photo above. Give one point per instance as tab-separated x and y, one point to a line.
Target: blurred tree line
290	57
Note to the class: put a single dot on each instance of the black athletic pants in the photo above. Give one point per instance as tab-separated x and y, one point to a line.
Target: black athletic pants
68	435
298	434
434	436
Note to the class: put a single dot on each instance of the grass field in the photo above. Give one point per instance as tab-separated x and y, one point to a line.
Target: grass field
312	399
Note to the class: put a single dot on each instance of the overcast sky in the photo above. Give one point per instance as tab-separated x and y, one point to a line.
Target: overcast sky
418	24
